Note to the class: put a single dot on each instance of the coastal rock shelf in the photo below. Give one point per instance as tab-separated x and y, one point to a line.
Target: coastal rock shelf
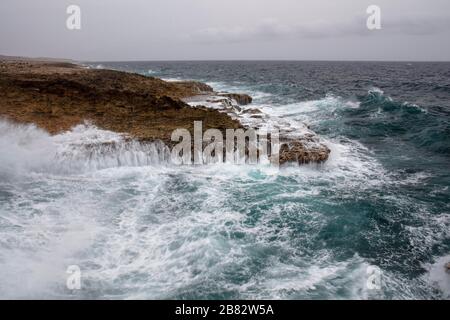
57	96
298	142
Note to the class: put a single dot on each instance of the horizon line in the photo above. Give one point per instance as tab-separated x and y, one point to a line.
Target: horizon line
221	60
262	60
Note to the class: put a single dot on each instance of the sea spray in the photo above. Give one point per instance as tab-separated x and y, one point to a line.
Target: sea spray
224	231
26	149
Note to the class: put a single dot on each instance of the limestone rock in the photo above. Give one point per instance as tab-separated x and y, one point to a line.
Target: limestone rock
195	86
240	98
295	151
252	111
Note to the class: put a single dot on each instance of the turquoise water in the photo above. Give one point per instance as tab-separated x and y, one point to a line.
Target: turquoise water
139	227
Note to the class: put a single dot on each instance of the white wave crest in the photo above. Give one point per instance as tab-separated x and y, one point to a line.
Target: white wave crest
26	148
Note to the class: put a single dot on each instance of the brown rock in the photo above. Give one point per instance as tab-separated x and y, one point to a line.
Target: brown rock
194	86
295	151
240	98
58	96
252	111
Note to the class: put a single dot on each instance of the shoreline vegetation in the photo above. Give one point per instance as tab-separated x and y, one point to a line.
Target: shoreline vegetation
58	95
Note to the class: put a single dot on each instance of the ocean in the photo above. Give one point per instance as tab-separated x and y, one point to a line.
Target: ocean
140	228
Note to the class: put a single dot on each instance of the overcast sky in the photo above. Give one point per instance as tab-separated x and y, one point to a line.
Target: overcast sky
228	29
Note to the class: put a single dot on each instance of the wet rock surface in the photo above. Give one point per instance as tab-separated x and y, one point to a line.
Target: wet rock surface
57	96
296	151
240	98
299	144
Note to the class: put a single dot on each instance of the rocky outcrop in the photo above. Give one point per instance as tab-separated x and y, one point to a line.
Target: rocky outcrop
194	87
252	111
447	267
298	143
296	151
240	98
56	96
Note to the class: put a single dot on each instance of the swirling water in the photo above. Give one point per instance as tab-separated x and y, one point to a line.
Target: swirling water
139	227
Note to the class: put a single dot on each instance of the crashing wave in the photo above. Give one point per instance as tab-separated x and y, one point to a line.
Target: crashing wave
84	148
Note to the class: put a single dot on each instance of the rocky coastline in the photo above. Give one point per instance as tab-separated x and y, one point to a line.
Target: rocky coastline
57	96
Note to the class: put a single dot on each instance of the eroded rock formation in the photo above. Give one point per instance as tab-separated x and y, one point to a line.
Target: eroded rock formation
240	98
56	96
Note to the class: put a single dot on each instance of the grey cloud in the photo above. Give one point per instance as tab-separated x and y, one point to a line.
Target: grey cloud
418	25
272	29
232	29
